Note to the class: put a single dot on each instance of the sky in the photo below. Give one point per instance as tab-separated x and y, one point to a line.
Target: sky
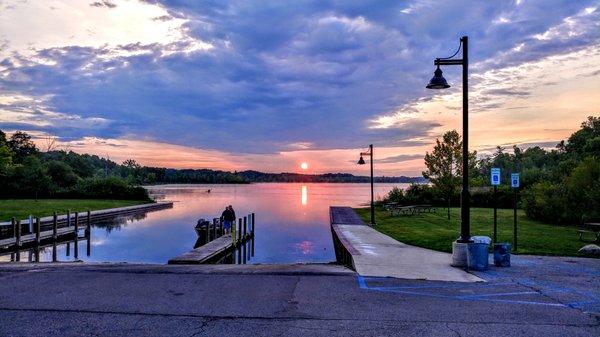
267	85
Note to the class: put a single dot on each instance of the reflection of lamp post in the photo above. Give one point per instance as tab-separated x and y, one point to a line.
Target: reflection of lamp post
361	161
439	82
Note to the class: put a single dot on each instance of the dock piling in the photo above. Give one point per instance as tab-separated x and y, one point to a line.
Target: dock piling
18	234
253	224
245	227
239	235
37	239
76	242
54	226
214	228
88	226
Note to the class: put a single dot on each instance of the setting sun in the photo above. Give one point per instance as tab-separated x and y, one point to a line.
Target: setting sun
304	166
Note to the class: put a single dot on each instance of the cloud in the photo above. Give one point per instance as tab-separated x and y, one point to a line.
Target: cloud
103	3
262	78
399	158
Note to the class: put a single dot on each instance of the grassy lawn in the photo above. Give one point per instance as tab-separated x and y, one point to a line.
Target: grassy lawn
21	208
435	231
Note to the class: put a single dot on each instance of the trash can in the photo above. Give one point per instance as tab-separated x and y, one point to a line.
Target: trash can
477	257
502	254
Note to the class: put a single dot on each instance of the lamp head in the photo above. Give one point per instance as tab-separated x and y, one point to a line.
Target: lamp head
438	81
361	161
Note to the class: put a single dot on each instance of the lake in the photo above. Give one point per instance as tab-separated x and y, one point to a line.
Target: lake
292	222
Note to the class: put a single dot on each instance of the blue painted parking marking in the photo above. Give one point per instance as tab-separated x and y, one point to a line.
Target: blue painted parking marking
428	291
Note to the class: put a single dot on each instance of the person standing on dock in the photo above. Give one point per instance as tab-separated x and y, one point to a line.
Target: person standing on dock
227	218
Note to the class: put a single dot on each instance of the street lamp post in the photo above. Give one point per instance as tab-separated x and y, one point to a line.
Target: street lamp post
361	161
439	82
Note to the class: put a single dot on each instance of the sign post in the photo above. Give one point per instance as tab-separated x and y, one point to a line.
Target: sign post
495	180
514	183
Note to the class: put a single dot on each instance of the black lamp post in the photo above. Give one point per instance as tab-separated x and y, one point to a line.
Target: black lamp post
439	82
361	161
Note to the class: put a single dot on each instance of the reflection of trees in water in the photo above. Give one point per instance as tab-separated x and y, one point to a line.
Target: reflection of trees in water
118	222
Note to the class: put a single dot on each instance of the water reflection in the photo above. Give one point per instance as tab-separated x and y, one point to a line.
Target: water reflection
304	197
286	231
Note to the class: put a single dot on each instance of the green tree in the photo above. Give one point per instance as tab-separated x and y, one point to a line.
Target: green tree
21	146
444	165
578	142
61	174
35	177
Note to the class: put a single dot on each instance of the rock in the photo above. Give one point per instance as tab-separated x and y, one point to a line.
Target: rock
590	250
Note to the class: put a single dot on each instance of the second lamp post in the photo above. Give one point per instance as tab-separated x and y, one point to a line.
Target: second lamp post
361	161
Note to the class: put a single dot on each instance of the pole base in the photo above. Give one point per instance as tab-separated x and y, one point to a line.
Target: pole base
459	254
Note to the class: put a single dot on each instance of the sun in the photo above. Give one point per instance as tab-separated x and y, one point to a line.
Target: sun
304	166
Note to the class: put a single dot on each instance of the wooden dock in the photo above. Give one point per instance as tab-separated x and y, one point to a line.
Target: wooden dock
30	238
220	245
36	233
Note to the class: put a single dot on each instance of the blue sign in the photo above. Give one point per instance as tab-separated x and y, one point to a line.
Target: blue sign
495	177
514	180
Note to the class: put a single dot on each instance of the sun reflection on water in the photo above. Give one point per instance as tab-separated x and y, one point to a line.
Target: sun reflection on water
304	195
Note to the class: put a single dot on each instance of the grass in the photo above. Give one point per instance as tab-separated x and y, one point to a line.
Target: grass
435	231
22	208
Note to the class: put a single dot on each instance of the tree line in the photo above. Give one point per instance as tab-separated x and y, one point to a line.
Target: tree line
25	172
560	185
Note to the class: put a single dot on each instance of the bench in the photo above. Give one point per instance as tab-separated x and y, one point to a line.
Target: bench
412	210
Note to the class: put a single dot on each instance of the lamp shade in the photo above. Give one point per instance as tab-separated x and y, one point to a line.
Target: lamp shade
438	81
361	161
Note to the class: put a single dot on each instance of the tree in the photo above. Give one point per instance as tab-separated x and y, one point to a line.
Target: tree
35	177
62	175
578	141
444	165
5	158
21	146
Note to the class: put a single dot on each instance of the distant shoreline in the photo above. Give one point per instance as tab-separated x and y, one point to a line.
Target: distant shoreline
286	182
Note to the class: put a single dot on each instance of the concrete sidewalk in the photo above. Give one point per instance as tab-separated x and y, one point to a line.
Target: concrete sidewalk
377	255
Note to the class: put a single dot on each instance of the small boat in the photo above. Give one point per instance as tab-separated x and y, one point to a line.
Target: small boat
201	223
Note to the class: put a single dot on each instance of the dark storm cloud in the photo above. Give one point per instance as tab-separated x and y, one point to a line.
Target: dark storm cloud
288	72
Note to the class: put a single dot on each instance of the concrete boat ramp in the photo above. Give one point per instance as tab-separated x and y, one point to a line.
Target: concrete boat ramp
374	254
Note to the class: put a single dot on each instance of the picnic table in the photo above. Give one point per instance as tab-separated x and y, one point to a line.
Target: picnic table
412	209
590	227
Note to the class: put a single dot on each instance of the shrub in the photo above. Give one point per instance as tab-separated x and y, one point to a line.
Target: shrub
111	187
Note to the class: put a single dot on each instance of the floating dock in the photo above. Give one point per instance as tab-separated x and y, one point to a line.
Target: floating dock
221	243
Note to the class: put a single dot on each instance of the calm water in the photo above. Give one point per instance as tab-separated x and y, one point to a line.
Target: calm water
292	222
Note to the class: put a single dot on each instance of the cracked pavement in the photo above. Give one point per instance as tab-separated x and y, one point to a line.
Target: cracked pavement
536	297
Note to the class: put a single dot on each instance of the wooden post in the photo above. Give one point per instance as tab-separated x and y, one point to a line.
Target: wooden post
76	230
54	226
246	218
253	225
207	230
244	253
239	236
233	234
68	248
18	234
54	251
13	221
89	245
37	239
214	229
68	218
88	227
37	231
